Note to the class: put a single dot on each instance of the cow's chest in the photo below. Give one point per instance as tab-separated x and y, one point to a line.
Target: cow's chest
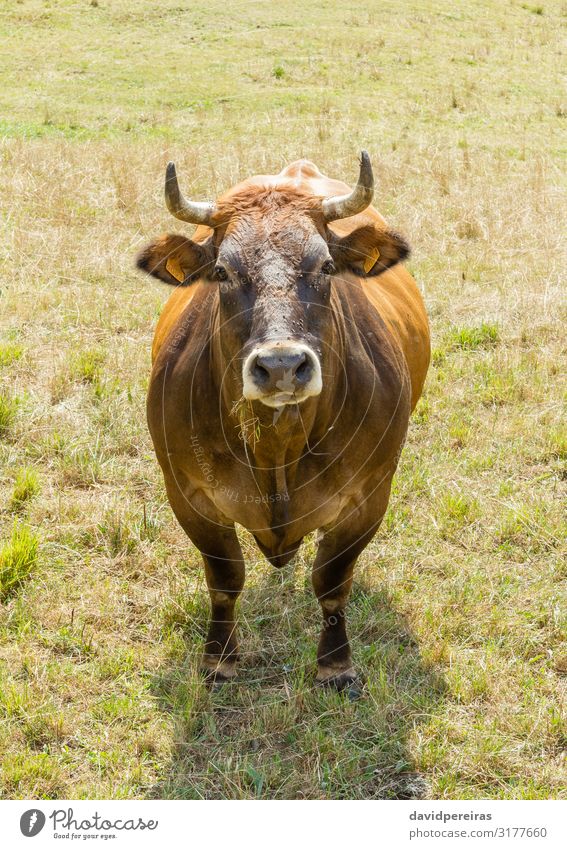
253	498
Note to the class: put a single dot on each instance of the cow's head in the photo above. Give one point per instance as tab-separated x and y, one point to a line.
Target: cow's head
273	258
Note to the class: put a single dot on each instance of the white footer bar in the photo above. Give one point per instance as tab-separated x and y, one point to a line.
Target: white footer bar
289	824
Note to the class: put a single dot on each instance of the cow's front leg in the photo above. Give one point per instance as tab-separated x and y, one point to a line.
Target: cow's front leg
332	582
224	571
225	580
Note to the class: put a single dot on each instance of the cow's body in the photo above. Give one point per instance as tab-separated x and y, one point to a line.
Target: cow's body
324	464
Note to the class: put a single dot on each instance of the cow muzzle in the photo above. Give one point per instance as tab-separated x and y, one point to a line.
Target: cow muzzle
281	373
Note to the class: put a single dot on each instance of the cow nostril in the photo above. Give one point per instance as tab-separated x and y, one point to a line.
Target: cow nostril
261	374
303	371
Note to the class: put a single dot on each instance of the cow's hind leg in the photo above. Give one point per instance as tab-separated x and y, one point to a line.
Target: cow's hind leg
332	582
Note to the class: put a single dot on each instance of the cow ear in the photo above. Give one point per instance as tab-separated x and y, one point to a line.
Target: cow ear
368	251
177	260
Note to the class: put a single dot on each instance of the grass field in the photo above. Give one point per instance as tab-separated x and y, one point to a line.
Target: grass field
458	613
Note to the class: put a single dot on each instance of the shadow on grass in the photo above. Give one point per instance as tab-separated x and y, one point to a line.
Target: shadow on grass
272	733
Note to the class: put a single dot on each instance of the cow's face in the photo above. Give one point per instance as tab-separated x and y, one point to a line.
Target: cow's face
274	271
274	259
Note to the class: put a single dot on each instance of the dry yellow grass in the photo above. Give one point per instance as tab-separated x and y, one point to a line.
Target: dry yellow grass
458	614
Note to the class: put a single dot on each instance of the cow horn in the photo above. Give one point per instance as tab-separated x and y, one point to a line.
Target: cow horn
195	212
343	206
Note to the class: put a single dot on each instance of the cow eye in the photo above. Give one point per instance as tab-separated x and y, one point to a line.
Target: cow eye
328	267
221	273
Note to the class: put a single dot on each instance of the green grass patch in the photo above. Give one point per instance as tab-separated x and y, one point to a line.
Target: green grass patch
455	512
18	559
86	366
472	338
8	409
26	487
10	353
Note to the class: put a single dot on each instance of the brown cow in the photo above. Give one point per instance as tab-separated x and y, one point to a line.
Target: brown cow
285	367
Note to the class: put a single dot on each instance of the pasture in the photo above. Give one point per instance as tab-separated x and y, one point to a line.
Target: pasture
457	617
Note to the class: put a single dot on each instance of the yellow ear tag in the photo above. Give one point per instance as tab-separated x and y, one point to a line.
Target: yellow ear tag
371	260
172	265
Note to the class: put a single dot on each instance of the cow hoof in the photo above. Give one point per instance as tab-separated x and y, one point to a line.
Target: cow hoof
345	681
217	672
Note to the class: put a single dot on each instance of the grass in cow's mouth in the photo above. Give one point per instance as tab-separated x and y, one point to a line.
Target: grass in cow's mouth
248	422
457	616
